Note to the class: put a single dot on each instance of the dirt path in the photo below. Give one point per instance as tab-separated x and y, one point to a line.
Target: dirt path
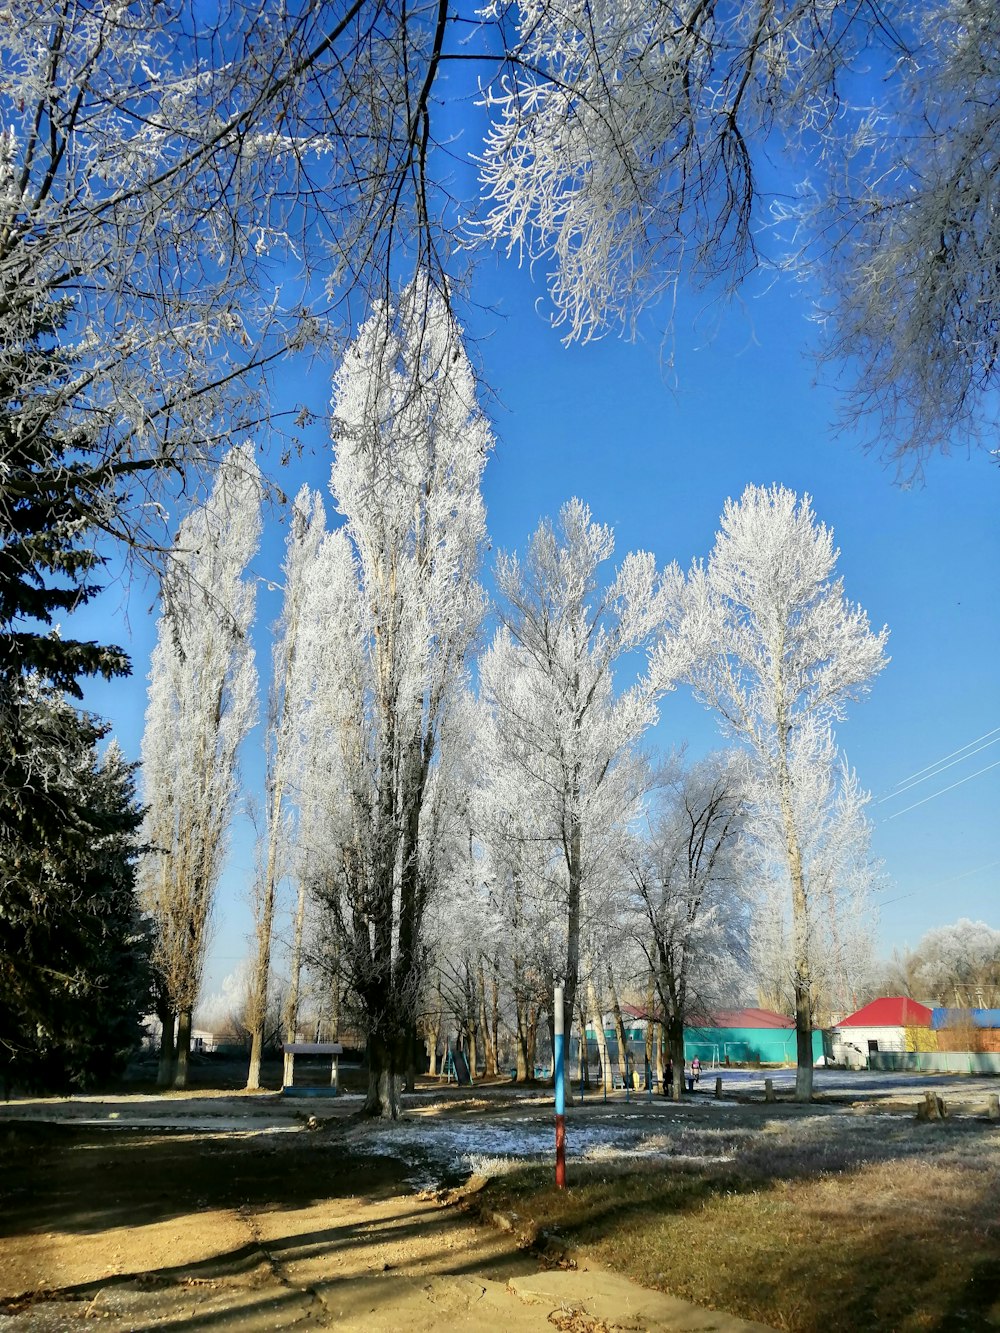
228	1231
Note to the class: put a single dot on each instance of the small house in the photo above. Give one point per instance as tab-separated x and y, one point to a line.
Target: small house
892	1024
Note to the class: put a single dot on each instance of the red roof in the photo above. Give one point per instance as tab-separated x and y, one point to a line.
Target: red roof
896	1011
723	1018
749	1018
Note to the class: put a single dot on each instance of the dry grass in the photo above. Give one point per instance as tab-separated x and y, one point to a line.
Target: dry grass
826	1223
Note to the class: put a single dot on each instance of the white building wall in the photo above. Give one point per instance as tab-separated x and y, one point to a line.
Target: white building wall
850	1044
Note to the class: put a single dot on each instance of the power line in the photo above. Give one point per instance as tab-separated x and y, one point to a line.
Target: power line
969	778
943	883
939	768
903	782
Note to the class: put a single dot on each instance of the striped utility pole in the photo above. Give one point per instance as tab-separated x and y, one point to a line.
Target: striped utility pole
558	1071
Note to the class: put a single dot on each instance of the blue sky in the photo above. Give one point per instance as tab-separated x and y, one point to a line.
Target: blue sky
656	459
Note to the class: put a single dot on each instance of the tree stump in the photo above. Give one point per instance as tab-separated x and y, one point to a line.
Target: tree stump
993	1106
932	1107
718	1087
769	1090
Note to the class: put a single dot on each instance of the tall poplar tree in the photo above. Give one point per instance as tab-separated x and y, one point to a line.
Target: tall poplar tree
410	448
296	633
202	702
565	738
765	636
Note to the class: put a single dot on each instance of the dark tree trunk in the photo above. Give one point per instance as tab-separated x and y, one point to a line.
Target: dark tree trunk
675	1048
183	1048
622	1040
168	1050
386	1066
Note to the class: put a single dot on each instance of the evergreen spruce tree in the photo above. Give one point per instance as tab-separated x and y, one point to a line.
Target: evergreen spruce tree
51	502
74	949
72	952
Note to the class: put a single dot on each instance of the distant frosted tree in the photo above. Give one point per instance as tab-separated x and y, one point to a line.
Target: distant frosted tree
765	636
298	637
567	739
410	447
520	903
690	899
202	702
959	965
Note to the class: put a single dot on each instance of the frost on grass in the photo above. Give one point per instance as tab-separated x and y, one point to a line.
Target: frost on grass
447	1149
804	1148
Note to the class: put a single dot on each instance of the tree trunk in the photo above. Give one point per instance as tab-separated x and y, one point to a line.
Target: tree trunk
292	1002
800	928
410	1066
434	1022
803	1041
658	1039
261	977
386	1062
183	1048
650	1028
674	1032
584	1051
490	1052
620	1036
574	858
495	1014
473	1052
526	1015
597	1018
168	1050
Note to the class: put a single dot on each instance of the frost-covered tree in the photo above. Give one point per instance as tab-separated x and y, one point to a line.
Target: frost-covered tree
158	163
633	148
840	870
410	447
899	225
517	901
689	894
959	965
566	738
299	636
202	702
765	636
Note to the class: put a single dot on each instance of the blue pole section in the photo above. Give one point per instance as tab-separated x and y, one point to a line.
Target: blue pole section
559	1072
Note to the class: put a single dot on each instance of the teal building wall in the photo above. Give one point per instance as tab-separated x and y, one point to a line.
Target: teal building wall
771	1046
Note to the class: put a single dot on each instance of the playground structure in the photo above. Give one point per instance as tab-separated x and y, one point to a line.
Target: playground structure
315	1078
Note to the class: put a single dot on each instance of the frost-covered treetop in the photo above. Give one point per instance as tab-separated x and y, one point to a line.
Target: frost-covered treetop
410	447
763	631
